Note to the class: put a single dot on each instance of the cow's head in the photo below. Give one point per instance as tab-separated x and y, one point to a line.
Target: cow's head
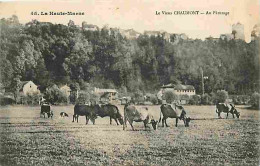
183	115
50	114
154	123
234	110
121	121
236	113
187	122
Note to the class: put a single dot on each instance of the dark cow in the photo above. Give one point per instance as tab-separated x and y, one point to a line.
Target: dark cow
84	110
64	114
226	108
131	114
109	110
178	113
46	109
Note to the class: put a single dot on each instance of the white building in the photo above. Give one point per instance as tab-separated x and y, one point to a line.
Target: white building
28	87
177	89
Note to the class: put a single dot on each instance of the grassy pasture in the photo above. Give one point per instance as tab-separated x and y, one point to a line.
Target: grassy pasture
28	139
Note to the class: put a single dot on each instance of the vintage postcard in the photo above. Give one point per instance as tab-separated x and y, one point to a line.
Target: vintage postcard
129	82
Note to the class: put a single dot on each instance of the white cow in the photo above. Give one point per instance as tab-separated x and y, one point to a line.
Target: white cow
132	114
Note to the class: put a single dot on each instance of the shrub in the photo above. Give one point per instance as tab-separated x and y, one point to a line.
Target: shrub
153	99
31	99
94	98
206	99
194	100
6	100
83	98
170	96
137	97
55	95
255	99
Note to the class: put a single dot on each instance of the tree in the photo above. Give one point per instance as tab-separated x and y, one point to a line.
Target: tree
255	100
16	86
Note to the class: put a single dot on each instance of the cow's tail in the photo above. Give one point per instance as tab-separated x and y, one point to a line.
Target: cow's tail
217	109
160	114
160	117
124	123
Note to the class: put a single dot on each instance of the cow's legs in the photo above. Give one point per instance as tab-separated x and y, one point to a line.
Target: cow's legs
93	121
145	123
177	122
165	122
233	115
110	120
219	115
116	121
124	124
87	119
131	124
184	121
227	115
73	118
77	116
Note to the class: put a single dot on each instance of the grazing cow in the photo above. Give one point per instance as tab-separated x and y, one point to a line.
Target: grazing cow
131	114
46	109
84	110
178	113
63	114
109	110
226	108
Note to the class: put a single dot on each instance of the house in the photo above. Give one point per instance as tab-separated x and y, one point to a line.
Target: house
183	91
130	33
226	37
152	33
28	87
238	31
89	27
109	94
66	90
179	89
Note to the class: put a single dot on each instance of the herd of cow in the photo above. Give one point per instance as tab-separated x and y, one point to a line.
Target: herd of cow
135	114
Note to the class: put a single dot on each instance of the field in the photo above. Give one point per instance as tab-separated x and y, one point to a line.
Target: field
28	139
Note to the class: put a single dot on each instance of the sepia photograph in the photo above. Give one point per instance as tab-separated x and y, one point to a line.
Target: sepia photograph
129	82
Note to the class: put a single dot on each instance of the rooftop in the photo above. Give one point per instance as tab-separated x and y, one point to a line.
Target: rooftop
179	87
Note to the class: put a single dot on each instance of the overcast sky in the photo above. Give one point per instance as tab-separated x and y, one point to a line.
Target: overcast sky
140	14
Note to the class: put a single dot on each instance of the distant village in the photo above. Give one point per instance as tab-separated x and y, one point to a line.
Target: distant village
237	33
111	95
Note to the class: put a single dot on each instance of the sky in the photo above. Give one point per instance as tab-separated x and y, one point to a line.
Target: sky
141	14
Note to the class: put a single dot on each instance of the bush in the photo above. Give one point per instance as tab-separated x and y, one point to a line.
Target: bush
31	99
194	100
255	99
153	99
206	99
221	96
6	100
240	99
55	95
94	98
137	97
83	98
170	96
